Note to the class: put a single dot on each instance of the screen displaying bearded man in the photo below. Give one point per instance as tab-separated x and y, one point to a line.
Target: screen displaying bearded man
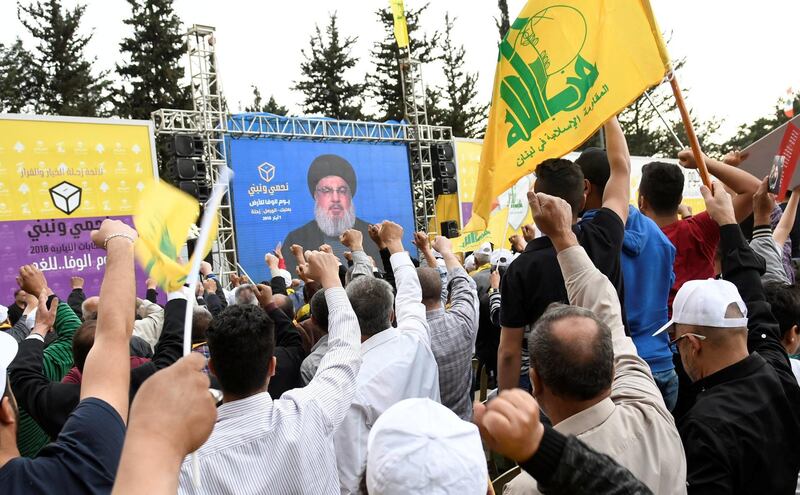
332	183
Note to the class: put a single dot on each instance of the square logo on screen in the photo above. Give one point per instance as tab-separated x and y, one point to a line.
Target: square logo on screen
267	171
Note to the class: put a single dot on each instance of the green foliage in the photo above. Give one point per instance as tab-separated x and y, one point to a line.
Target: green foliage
16	81
271	106
747	134
153	70
64	83
458	109
323	84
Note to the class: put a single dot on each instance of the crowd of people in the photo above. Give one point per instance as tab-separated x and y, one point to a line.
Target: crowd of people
622	350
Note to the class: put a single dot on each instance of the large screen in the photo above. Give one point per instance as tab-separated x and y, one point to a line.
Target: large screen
307	193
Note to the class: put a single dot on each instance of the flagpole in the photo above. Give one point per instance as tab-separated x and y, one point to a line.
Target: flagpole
209	212
664	121
687	123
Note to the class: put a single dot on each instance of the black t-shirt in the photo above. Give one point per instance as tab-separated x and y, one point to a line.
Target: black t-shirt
83	459
534	281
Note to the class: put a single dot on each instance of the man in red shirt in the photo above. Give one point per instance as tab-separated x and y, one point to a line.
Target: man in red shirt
696	237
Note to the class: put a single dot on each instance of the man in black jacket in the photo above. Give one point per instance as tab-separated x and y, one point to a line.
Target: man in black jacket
742	432
50	403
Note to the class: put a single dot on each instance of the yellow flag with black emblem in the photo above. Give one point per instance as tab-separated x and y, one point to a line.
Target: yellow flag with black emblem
564	68
400	26
163	221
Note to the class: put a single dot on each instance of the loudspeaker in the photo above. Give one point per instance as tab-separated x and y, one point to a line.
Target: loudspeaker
199	189
445	185
449	229
187	169
185	145
444	152
444	170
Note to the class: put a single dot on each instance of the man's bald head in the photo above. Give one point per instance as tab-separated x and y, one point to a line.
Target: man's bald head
572	353
285	304
89	308
430	282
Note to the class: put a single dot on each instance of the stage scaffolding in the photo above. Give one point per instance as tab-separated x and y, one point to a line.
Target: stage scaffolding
211	120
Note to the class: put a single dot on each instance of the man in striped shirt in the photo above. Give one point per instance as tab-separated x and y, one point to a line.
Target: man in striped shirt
260	445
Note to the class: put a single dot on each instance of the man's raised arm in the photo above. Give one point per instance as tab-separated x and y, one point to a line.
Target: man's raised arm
617	193
106	374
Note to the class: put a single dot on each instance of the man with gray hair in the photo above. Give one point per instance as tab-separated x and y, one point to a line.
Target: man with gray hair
397	363
587	375
453	330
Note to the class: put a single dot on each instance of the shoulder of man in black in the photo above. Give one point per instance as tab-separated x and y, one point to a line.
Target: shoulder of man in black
532	282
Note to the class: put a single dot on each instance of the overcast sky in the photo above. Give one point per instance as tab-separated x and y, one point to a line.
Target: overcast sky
741	59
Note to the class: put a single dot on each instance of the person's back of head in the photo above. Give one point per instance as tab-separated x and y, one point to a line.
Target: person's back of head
431	284
245	295
241	344
372	300
571	356
285	304
309	289
661	189
564	179
596	170
89	308
319	309
82	342
201	319
419	446
785	302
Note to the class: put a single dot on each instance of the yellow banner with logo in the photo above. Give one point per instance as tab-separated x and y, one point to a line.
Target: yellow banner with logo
563	70
400	26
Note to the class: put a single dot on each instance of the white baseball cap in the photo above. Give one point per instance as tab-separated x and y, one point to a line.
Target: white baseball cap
502	258
485	248
8	350
704	303
420	446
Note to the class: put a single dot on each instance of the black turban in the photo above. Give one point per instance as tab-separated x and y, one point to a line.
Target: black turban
325	165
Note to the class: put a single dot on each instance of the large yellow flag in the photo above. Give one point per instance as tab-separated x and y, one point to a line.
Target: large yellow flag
400	26
564	68
163	220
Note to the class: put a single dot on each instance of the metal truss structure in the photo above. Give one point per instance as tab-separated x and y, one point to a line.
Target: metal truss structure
211	120
419	147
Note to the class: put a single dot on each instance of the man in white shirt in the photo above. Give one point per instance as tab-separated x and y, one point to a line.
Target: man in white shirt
397	363
260	445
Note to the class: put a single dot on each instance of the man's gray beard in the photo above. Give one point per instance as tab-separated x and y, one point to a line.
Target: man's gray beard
334	227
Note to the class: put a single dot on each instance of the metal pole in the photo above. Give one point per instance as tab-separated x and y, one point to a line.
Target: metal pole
664	121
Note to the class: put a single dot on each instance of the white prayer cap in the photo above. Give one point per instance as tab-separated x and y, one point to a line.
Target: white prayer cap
3	313
418	446
469	263
8	349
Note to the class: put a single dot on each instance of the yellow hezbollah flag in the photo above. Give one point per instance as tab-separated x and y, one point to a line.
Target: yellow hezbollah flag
400	27
563	69
163	220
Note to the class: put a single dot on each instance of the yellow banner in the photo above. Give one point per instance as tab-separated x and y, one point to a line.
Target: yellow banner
400	26
562	71
54	169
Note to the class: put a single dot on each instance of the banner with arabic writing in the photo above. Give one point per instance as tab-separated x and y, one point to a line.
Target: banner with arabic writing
563	69
59	178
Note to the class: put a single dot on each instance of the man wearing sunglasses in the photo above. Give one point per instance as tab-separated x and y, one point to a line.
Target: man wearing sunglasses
740	434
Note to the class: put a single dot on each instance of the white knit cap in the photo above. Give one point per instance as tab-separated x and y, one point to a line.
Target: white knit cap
8	349
704	303
418	446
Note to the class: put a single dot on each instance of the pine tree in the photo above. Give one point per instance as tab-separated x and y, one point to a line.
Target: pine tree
153	70
460	111
503	23
749	133
16	81
325	89
383	84
271	106
64	84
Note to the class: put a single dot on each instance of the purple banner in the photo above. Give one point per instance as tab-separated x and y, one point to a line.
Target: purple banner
62	249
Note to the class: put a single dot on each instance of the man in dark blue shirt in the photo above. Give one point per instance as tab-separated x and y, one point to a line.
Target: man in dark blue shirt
85	456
